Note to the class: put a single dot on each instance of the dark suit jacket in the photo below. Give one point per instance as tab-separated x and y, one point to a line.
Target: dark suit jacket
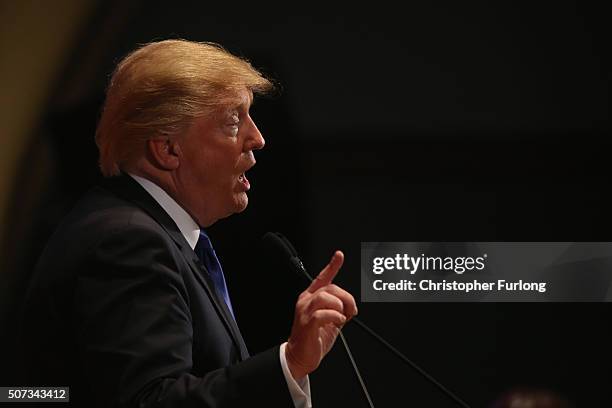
121	310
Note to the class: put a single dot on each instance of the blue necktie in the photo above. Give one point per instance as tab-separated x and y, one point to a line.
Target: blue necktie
207	255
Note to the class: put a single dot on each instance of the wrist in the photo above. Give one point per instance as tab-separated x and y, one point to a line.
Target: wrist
296	369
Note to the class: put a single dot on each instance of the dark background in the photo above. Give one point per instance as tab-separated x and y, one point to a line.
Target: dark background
436	121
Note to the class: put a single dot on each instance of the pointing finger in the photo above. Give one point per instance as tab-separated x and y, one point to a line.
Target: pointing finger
327	275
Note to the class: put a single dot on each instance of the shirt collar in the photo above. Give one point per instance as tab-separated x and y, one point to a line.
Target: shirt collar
185	223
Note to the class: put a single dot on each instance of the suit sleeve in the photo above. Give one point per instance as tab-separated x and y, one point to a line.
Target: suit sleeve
134	333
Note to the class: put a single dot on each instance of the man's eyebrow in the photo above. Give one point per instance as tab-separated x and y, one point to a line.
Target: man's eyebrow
244	105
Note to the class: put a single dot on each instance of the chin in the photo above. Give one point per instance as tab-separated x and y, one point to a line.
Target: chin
242	203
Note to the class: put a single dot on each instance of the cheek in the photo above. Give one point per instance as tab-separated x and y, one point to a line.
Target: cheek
222	163
216	167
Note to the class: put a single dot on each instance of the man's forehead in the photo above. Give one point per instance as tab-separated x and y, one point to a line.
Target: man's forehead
243	99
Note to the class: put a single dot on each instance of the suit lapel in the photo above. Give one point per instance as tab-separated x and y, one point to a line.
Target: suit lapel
127	188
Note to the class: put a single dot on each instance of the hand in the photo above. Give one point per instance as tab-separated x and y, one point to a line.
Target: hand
320	312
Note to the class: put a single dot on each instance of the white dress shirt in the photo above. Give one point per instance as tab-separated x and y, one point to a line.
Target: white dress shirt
299	390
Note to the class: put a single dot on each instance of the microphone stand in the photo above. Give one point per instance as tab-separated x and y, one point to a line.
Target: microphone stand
405	359
357	373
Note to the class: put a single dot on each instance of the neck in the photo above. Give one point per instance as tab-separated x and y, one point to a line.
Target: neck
167	181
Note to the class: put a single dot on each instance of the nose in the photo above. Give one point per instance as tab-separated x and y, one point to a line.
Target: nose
255	140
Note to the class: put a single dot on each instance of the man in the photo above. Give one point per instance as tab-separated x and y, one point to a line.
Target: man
128	305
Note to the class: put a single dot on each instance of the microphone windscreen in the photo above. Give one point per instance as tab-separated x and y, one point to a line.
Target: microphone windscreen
276	244
288	244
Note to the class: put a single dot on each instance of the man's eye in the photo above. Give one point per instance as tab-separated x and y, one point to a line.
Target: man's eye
233	128
233	122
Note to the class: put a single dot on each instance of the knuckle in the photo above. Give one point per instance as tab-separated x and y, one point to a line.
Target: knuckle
311	309
306	306
335	287
318	316
303	307
322	296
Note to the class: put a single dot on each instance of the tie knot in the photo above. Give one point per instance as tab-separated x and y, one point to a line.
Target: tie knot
204	241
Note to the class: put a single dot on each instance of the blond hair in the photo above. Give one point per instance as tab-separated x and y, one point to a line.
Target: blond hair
160	88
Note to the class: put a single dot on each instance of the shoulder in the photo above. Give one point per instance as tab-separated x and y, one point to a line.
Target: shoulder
100	215
106	228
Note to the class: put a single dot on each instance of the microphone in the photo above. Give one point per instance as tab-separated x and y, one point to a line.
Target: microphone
281	245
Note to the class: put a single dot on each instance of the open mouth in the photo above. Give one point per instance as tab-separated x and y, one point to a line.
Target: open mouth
244	181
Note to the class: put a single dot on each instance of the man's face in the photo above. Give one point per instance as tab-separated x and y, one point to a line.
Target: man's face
217	150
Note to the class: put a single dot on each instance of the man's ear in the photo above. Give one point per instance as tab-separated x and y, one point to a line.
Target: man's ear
164	152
